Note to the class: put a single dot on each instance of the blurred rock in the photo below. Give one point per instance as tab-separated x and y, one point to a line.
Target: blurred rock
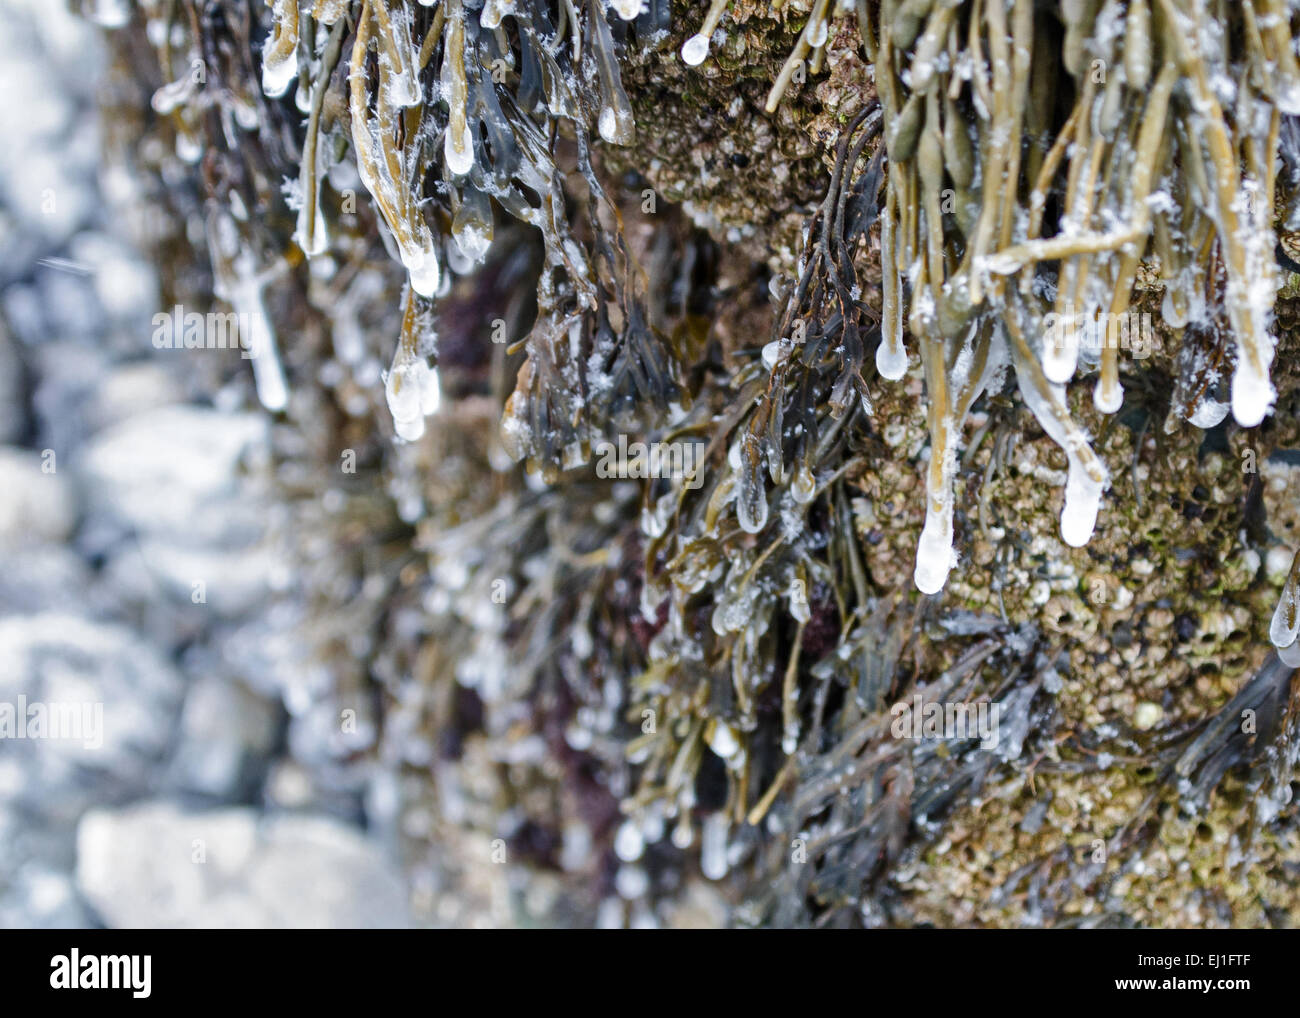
131	692
131	389
226	733
45	577
13	378
35	504
154	865
41	898
174	472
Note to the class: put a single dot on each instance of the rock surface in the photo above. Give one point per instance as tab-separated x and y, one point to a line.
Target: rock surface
156	866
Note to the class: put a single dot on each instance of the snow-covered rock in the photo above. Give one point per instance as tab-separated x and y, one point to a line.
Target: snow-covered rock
155	865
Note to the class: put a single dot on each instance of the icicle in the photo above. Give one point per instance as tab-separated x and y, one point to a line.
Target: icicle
1285	626
237	281
458	146
697	46
1087	477
751	494
412	391
1249	298
471	227
934	550
494	11
311	235
402	80
713	846
280	51
616	123
1252	391
244	294
1108	396
411	387
1082	500
891	356
804	485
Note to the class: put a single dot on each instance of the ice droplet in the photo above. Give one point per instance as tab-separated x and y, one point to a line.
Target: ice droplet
407	391
1108	398
424	271
1209	413
804	485
800	610
409	430
277	73
1290	656
460	151
934	551
628	842
626	9
1285	625
1252	394
723	741
891	361
608	124
473	243
1060	349
311	234
695	49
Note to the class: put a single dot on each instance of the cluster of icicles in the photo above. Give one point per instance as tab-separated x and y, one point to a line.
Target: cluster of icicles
469	36
1169	154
